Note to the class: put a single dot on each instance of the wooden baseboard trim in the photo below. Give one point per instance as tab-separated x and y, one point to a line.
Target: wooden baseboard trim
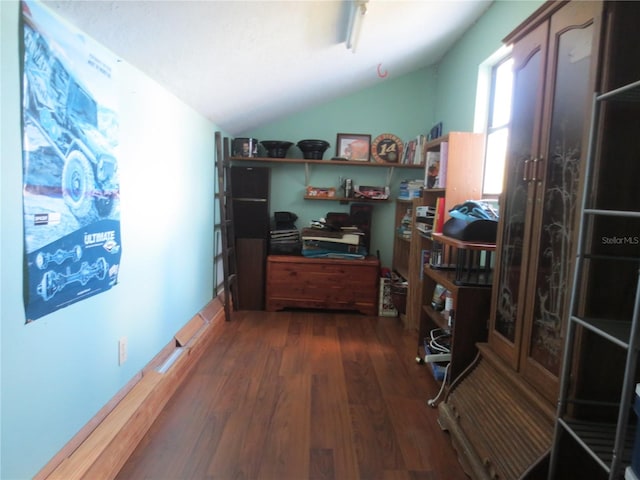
103	445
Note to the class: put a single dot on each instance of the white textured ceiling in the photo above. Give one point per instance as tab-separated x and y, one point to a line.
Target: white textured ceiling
244	63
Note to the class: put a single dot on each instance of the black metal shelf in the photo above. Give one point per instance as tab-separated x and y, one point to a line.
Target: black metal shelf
626	93
599	439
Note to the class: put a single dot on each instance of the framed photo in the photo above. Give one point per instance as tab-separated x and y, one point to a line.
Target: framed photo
353	146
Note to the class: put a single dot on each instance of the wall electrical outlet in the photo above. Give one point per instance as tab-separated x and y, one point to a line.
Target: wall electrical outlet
122	350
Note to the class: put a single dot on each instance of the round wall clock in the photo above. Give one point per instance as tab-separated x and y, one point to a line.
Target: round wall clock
386	148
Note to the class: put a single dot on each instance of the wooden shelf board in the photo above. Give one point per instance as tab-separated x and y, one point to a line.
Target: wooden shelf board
348	199
403	271
322	162
454	242
435	316
444	277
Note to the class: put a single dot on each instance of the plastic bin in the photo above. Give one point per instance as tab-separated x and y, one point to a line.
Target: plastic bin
399	296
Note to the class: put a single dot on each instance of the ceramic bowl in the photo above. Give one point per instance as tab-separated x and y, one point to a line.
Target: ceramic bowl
313	149
276	148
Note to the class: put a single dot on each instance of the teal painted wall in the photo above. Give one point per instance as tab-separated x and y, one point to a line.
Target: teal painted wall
402	106
457	74
60	370
406	106
57	372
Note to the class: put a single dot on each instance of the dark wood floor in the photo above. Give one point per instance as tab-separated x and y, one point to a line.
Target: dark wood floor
301	395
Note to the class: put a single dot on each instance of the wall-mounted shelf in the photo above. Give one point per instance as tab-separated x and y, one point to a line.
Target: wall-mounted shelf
348	199
344	163
324	162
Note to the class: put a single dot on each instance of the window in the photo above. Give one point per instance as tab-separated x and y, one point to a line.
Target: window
493	112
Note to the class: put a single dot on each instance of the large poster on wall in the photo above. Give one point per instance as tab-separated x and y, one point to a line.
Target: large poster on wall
70	168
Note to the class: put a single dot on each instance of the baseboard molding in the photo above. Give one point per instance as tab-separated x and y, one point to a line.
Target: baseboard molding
104	444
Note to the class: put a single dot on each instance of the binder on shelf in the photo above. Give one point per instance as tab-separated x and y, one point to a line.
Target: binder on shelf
438	221
444	155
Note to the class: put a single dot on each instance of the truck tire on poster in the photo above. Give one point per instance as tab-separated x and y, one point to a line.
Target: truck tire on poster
78	184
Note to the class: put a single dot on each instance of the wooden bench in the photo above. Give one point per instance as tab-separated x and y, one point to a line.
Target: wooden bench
327	283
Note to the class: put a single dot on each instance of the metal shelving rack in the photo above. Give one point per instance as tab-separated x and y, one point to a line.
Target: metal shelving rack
610	445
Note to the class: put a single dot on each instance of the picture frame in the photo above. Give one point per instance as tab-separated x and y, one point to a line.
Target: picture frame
353	147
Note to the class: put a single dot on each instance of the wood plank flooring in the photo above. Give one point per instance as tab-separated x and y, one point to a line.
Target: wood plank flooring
301	395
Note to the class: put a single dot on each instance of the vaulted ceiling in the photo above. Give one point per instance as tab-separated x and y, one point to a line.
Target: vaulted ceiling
244	63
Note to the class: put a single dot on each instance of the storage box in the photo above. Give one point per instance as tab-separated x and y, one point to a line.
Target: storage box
399	296
386	308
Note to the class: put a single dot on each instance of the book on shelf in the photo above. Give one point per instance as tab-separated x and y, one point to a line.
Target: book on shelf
424	228
418	158
409	152
425	213
438	221
410	189
432	169
444	155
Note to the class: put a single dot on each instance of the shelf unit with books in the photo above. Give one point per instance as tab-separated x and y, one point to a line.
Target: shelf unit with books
463	182
460	167
465	273
403	232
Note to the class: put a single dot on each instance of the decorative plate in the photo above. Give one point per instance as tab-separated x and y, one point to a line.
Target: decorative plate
386	148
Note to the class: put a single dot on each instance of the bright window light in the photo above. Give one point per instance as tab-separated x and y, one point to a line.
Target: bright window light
498	126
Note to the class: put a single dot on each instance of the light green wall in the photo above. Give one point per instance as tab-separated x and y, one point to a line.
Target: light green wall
57	372
60	370
402	106
458	71
406	106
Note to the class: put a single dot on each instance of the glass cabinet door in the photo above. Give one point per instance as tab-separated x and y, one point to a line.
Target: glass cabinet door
557	179
516	202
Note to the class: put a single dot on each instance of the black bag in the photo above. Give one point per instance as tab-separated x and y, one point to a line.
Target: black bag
472	222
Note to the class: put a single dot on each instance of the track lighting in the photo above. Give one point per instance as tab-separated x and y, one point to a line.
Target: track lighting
358	11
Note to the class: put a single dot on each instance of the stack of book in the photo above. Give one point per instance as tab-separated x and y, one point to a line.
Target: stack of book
345	242
430	218
404	229
425	216
410	189
285	241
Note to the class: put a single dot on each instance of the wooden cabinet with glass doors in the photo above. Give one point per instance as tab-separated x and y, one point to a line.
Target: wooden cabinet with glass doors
555	55
549	132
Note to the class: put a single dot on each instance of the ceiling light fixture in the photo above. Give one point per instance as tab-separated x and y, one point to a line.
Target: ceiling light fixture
358	11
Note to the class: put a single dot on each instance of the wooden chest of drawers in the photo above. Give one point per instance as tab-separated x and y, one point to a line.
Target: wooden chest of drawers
296	281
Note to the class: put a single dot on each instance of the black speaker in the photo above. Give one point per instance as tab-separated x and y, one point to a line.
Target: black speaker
251	218
361	217
252	253
250	196
250	182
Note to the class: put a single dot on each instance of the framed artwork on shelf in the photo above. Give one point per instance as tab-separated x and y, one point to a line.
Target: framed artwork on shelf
353	146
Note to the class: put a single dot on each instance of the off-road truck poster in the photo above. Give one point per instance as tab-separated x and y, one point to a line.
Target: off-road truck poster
70	170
